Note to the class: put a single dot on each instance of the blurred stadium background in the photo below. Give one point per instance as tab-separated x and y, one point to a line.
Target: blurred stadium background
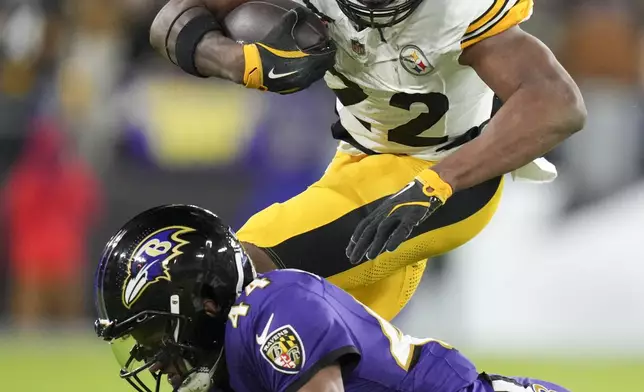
95	128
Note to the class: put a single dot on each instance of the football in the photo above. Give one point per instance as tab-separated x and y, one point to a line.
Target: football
252	21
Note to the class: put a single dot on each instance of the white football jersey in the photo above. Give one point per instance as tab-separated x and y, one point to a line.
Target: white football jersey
404	92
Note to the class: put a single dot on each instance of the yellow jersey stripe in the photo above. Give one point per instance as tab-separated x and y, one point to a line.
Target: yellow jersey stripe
520	12
495	9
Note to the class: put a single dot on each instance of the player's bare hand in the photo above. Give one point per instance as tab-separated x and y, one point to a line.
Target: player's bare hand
393	221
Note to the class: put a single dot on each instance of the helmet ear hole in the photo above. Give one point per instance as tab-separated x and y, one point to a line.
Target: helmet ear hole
207	292
211	308
206	332
203	292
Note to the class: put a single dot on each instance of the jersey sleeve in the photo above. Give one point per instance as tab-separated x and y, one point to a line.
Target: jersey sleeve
495	17
297	334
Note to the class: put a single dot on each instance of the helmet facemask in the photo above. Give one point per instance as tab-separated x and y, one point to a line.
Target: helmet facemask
153	343
377	14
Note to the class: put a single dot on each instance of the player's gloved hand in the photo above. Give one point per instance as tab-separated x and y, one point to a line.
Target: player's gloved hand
393	221
277	64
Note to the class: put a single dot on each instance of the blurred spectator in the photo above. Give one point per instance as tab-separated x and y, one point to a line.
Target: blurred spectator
29	38
602	50
91	67
51	201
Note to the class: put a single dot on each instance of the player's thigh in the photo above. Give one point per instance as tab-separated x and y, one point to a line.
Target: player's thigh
312	230
389	295
463	217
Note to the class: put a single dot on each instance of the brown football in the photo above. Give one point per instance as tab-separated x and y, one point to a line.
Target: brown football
252	21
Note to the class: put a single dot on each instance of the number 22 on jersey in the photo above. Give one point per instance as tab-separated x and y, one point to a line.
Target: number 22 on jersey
406	134
402	347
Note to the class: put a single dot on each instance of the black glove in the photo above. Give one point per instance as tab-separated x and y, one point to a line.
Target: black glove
392	222
277	64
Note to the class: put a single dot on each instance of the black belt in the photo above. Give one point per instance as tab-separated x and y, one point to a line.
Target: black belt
339	132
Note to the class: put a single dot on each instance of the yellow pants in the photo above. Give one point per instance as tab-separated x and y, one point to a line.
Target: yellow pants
312	230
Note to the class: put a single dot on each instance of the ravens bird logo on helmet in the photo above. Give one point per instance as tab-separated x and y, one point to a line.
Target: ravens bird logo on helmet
151	284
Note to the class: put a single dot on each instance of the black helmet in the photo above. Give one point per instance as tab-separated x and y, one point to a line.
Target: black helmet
377	13
150	285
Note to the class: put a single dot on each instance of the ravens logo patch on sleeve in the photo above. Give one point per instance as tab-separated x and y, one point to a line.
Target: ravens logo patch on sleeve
283	349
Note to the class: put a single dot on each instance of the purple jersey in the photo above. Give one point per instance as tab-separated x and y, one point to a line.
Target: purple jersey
289	324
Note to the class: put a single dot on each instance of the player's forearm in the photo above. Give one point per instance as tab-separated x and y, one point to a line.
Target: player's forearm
213	54
329	379
535	119
216	54
543	106
221	57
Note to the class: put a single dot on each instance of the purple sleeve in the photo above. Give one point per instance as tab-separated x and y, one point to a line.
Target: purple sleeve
297	334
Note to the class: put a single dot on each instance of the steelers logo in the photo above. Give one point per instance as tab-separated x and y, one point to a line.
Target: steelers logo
414	61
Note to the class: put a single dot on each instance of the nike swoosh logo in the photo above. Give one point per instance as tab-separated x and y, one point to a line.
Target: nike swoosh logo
273	75
407	187
261	339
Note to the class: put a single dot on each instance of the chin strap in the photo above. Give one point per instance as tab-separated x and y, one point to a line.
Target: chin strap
201	379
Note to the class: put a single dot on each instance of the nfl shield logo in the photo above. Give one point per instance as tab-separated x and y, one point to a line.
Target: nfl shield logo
358	47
